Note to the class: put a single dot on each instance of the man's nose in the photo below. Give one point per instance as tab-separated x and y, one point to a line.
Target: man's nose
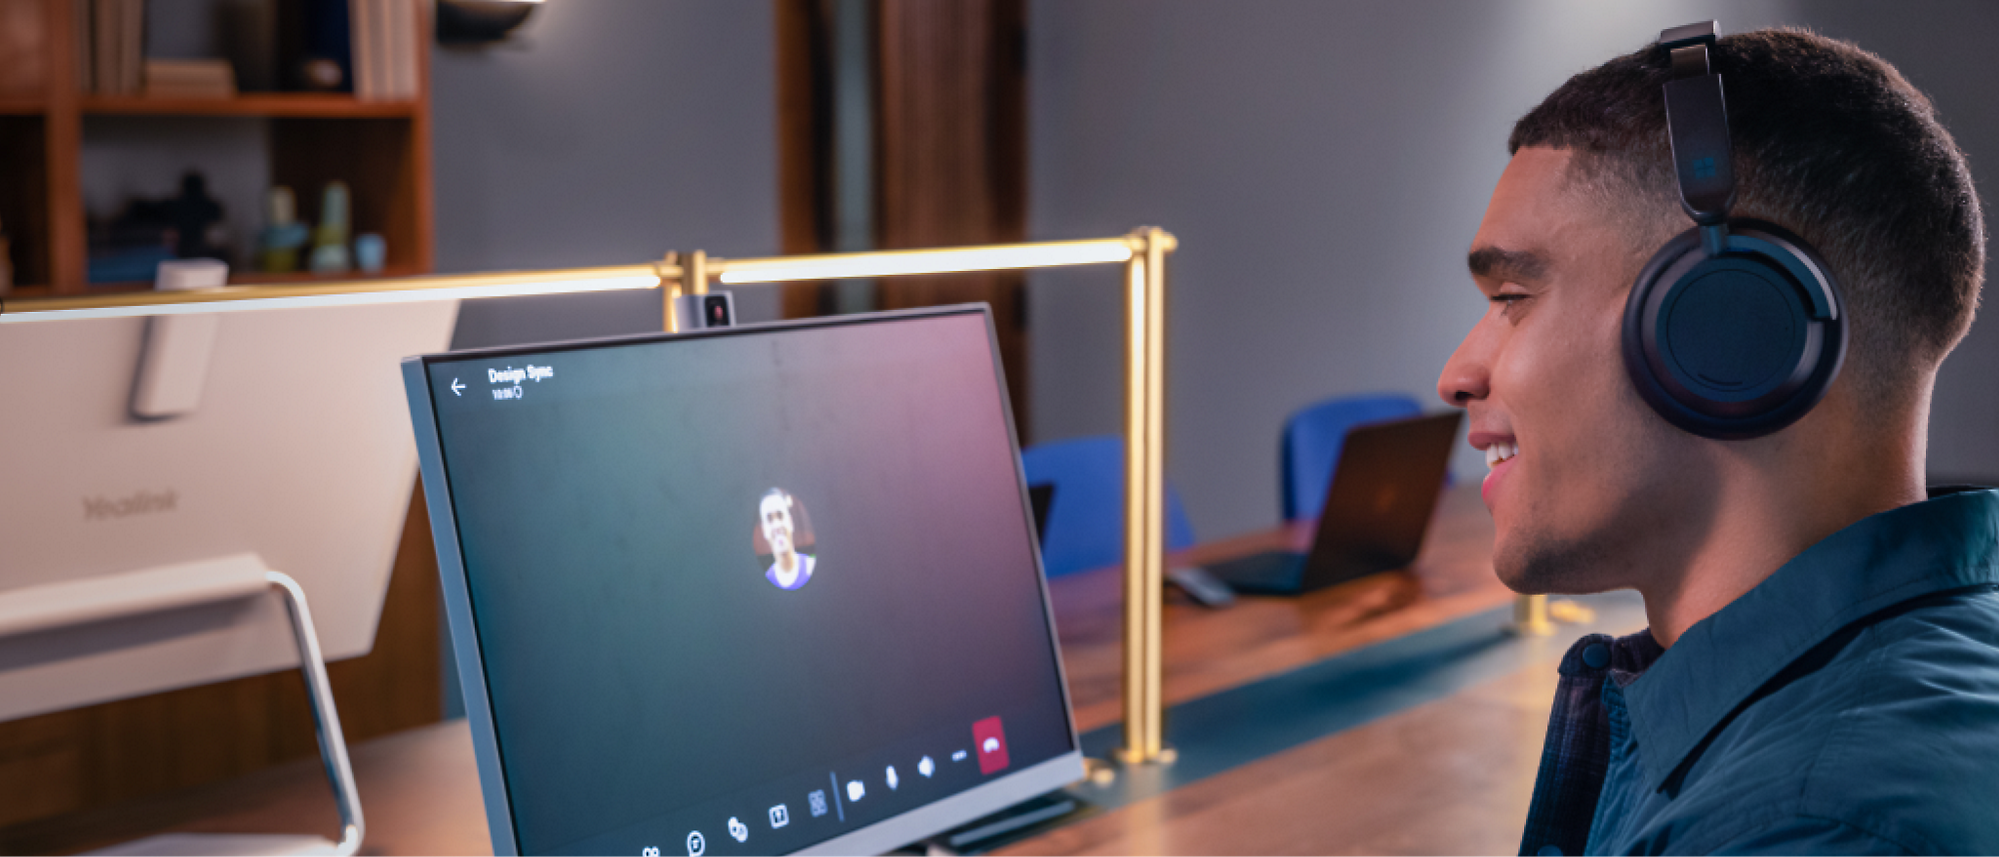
1467	375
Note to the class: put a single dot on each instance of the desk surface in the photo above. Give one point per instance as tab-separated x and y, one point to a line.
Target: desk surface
1448	776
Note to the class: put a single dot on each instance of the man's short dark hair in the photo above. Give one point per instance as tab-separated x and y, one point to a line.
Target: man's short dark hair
1830	142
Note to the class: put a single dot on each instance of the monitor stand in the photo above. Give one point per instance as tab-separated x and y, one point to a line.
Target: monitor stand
116	596
1005	826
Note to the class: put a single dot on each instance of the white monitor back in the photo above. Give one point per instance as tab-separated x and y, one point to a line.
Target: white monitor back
291	442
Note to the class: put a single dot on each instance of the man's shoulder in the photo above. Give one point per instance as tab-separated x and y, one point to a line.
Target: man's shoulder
1895	734
1922	691
1913	666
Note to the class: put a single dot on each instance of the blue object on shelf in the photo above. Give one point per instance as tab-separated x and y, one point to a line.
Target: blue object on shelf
128	266
370	252
1312	440
1086	515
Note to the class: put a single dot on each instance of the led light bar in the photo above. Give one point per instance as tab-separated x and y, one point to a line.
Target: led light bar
250	298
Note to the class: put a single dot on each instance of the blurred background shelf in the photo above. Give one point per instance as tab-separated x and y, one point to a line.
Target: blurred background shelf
50	122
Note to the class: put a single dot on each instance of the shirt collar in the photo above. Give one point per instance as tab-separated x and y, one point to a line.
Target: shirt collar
1947	542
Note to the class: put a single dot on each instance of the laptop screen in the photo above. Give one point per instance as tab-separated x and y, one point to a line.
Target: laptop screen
751	590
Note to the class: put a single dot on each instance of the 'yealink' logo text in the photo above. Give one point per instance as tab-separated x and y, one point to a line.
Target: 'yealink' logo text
142	503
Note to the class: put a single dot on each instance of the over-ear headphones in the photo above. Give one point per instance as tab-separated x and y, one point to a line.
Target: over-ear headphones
1735	328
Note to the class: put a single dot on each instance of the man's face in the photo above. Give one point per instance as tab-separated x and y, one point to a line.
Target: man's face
1581	506
776	514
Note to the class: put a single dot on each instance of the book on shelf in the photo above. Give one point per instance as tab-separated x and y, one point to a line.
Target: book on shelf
197	78
362	21
104	45
111	45
385	43
132	48
80	30
381	47
408	41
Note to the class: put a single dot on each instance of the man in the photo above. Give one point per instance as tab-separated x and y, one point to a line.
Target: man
789	569
1821	670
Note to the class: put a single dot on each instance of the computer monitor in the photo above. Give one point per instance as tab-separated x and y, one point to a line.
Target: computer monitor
135	444
743	591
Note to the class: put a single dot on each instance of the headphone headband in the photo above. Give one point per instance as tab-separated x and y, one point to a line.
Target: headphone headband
1697	125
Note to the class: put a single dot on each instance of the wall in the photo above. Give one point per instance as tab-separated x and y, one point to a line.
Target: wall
1325	166
1944	48
605	132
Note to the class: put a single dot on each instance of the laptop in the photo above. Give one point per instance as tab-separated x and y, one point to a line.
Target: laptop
1377	509
751	590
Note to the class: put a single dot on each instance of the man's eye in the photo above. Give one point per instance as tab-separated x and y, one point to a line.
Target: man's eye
1511	303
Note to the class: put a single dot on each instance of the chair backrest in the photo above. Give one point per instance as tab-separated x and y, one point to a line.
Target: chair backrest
1086	515
1312	440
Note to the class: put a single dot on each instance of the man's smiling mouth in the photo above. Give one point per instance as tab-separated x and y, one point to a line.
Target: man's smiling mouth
1498	454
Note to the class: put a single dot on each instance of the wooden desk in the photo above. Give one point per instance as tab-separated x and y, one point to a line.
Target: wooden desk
1429	779
1209	650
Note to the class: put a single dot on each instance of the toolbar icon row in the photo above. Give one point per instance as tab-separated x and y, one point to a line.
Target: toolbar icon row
988	735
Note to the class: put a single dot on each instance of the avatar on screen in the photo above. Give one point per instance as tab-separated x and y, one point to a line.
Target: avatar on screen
783	533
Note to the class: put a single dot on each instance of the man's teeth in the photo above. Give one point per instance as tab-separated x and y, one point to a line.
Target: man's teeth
1499	452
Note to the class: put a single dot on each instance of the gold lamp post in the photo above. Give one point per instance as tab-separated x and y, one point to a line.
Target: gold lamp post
1143	254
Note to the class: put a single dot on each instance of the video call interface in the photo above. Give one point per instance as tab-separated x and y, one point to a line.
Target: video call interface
745	593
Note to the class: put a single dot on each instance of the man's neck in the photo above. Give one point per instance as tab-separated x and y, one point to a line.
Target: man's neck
1764	517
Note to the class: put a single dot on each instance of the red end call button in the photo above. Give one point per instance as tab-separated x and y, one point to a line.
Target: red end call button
990	738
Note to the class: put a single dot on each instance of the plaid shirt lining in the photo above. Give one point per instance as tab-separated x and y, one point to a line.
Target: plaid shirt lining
1576	755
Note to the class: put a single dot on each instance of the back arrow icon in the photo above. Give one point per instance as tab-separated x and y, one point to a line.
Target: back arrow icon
457	388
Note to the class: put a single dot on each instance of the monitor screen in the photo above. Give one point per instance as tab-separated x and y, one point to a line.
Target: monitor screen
747	591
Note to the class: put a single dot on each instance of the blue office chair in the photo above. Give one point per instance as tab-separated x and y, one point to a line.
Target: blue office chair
1086	513
1312	440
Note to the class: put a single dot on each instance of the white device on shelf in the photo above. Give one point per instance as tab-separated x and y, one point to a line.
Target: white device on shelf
142	552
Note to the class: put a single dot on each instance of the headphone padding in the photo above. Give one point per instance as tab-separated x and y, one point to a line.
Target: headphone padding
1737	345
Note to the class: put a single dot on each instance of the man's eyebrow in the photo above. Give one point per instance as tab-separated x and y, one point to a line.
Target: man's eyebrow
1515	266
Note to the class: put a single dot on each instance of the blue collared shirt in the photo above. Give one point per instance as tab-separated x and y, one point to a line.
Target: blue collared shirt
1847	704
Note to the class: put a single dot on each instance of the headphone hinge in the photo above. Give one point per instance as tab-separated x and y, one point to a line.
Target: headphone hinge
1690	61
1714	238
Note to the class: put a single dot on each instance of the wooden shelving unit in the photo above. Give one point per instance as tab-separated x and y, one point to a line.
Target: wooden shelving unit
381	149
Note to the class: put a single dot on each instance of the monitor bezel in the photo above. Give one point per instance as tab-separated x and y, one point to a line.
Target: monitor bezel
893	832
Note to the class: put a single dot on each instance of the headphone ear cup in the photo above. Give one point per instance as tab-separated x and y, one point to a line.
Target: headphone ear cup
1737	345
